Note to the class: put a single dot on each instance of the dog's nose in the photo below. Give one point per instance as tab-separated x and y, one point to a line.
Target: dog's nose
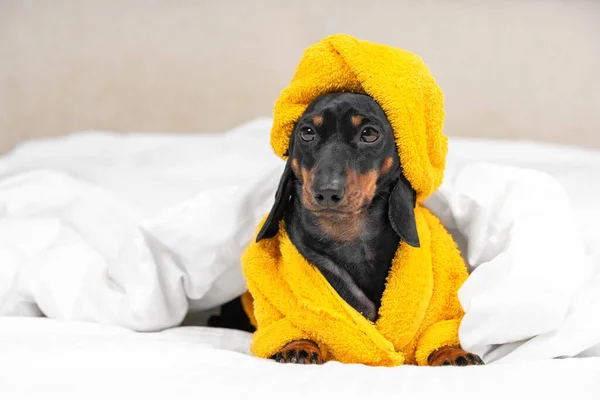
330	195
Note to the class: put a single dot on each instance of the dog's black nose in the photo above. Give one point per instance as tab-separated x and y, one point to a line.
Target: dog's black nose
330	195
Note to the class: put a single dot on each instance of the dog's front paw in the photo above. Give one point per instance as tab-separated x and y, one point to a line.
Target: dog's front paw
453	356
299	352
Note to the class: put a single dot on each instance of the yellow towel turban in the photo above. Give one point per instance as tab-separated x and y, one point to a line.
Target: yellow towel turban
398	80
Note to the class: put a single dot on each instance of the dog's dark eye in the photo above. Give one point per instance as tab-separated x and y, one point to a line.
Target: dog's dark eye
369	135
307	134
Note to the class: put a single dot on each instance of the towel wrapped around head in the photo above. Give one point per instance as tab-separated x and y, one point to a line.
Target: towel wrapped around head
398	80
288	298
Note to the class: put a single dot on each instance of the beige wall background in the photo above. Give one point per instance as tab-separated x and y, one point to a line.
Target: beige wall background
509	69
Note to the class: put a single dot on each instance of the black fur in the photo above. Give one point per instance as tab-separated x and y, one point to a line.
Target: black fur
357	269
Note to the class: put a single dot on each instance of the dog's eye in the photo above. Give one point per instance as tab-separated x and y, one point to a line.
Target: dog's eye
369	135
307	134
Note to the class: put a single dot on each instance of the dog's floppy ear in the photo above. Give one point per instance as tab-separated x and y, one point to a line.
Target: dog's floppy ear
401	212
282	199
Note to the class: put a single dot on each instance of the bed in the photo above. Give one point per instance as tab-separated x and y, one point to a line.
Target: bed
117	245
116	248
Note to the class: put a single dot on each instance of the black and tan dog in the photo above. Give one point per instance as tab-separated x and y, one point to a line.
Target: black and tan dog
346	206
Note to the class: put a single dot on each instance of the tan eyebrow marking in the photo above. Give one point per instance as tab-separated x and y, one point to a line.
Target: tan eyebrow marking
356	120
318	120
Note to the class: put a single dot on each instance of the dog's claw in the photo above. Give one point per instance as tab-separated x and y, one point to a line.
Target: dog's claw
279	357
464	360
315	359
474	359
461	361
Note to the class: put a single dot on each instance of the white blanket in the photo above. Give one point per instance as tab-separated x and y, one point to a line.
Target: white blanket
45	358
138	230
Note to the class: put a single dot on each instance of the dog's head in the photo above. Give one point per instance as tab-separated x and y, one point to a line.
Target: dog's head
342	154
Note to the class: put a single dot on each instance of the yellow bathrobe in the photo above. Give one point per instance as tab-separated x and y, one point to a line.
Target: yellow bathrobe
289	299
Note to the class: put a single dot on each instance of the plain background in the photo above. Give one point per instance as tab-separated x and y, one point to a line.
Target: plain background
522	69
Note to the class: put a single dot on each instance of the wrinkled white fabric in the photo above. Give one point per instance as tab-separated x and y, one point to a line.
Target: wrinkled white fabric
138	230
134	231
75	360
529	266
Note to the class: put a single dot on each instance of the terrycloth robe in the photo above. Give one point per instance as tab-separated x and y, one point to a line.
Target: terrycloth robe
289	299
419	313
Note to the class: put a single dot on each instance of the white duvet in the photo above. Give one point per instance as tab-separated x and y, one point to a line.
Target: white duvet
136	231
51	359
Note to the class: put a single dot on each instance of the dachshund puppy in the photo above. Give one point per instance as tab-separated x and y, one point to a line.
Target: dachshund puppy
346	206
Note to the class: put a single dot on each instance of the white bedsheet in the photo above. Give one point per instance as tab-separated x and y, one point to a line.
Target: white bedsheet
138	230
43	358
